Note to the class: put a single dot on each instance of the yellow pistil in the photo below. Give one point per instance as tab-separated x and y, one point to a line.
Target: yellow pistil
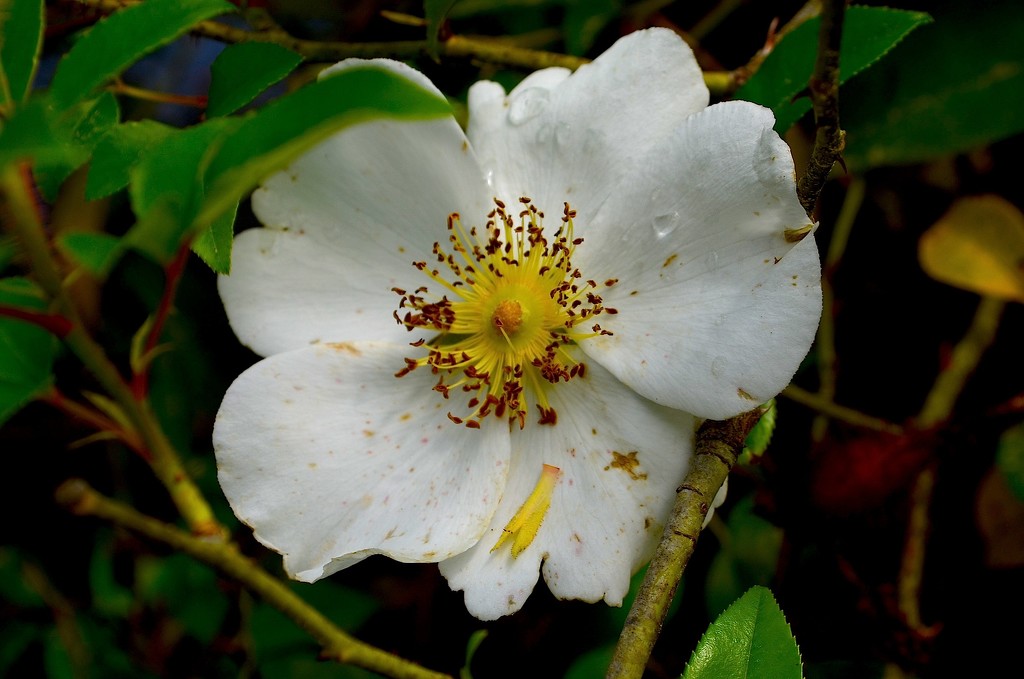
514	310
523	526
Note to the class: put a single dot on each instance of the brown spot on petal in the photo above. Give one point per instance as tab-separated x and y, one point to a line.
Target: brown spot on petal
743	394
671	258
628	463
347	347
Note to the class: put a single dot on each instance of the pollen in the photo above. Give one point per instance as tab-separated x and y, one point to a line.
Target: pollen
510	314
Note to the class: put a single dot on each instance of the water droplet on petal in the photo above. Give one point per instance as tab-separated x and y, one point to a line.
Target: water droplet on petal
718	366
527	105
489	178
665	224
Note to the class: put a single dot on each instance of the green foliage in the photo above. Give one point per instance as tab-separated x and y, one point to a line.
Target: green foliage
118	41
284	129
110	597
118	152
15	640
57	140
167	186
13	589
750	639
957	85
475	639
869	33
193	178
187	590
241	72
1010	459
213	244
21	37
584	20
593	663
761	435
435	12
93	252
748	557
27	351
284	650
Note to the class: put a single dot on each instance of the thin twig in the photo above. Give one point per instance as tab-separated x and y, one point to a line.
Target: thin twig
26	225
938	407
78	497
842	413
52	323
824	92
98	421
718	446
825	342
172	276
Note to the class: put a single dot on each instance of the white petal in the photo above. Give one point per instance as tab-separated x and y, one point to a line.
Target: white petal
577	138
359	209
287	290
717	502
330	459
716	308
621	458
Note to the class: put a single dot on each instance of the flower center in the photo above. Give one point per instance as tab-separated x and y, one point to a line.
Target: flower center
508	316
513	313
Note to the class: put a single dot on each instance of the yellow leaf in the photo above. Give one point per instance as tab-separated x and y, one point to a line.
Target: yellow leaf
978	245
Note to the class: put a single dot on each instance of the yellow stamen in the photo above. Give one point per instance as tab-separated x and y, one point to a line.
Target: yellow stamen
522	528
513	311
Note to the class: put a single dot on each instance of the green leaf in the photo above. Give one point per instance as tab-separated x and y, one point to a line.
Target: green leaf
761	435
26	351
15	640
194	177
109	597
1010	459
56	141
166	186
96	119
749	557
435	12
750	639
957	85
291	125
94	252
593	663
117	41
13	589
869	33
213	244
118	152
21	37
190	592
282	649
242	71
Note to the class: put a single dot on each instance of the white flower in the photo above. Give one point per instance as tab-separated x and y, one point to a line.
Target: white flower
534	408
